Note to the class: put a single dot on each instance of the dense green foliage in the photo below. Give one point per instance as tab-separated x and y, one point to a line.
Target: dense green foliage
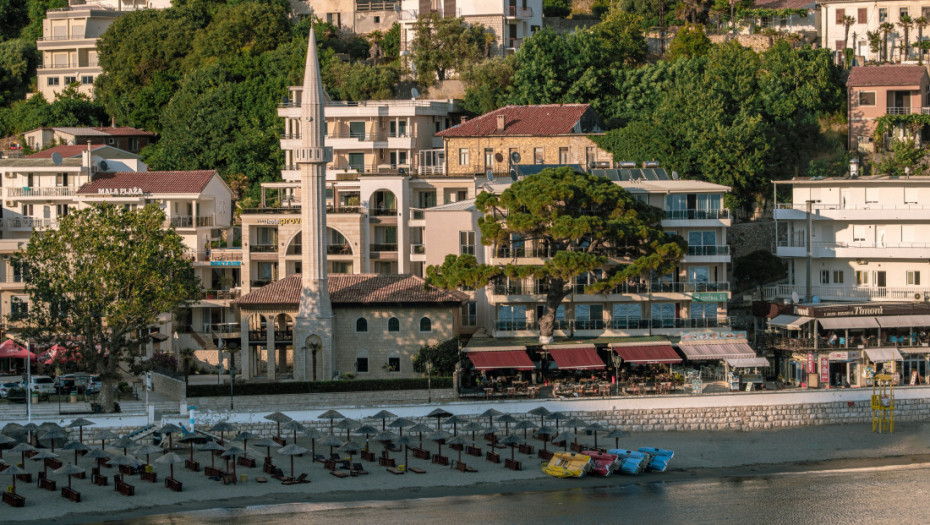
316	387
560	8
689	42
758	267
443	356
18	60
70	108
443	44
489	84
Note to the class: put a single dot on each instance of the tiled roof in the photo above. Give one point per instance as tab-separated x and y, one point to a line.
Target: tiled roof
150	181
886	76
104	131
462	205
785	4
353	289
66	151
542	120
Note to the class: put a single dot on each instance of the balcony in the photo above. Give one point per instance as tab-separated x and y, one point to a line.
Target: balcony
215	255
906	110
221	328
263	248
383	212
589	324
679	215
514	43
515	288
848	293
290	136
344	209
63	191
190	222
511	326
271	211
519	12
28	223
338	249
383	247
709	250
417	248
854	250
93	64
223	295
510	252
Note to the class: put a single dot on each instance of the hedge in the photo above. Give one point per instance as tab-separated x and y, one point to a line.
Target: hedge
317	387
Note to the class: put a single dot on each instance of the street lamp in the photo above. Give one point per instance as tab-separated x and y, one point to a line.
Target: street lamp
615	358
810	247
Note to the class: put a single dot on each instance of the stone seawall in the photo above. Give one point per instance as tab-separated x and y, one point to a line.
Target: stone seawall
324	401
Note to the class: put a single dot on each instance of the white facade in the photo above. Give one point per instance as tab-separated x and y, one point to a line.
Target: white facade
868	15
869	239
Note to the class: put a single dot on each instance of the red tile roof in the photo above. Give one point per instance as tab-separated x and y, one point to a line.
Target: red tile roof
354	289
150	181
542	120
125	130
886	76
66	151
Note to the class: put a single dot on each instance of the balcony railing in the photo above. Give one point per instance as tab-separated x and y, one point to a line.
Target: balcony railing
215	255
382	212
906	110
850	206
541	288
383	247
270	211
63	191
344	209
190	222
376	5
696	214
519	12
514	43
226	295
709	250
509	252
617	324
221	328
28	222
288	136
338	249
263	248
510	326
589	324
418	248
509	289
848	293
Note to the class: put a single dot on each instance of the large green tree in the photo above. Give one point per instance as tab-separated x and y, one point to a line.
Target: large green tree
98	283
444	44
488	84
18	60
591	226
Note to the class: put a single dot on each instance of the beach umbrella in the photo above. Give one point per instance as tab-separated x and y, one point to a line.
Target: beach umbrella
420	428
5	440
574	423
507	420
232	452
69	470
405	442
80	423
42	455
97	454
170	429
385	438
124	443
148	450
458	440
557	416
295	426
222	427
524	425
511	440
595	427
545	432
30	429
616	434
292	450
331	441
439	437
170	459
77	447
23	448
401	423
314	435
454	421
350	447
564	436
541	412
330	415
14	470
366	430
211	446
278	418
493	431
54	435
491	414
123	460
439	414
383	415
191	439
348	424
267	443
103	436
472	427
244	437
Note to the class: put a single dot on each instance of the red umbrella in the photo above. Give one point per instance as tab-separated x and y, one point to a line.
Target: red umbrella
10	349
58	354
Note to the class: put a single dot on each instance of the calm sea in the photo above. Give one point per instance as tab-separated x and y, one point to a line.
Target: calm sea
881	495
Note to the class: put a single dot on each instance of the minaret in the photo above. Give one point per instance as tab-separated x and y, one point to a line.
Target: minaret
313	335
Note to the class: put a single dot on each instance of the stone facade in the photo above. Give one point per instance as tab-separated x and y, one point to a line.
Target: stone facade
745	238
575	149
169	386
322	401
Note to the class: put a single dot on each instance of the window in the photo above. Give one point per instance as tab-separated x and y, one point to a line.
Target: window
627	315
426	325
470	314
663	315
910	195
925	12
878	279
824	276
882	15
361	364
838	276
488	159
913	278
53	81
61	210
393	325
539	155
463	157
27	210
703	311
702	243
559	323
466	243
534	29
511	317
357	130
859	233
862	277
840	14
866	98
361	324
902	13
70	80
19	308
61	179
393	364
699	274
20	272
87	79
589	317
378	21
563	155
871	195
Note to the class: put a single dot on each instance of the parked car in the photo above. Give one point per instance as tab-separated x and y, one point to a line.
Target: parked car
6	387
93	385
42	385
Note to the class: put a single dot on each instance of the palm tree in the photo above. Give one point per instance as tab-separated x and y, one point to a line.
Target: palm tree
906	23
885	28
921	23
689	9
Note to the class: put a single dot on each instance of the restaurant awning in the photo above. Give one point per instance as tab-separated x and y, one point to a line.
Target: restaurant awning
749	362
903	321
575	358
791	322
652	354
714	352
839	323
883	355
497	359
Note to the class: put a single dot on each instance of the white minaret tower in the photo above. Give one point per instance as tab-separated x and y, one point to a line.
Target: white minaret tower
313	335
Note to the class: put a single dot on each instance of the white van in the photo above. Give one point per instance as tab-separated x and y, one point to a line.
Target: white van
42	384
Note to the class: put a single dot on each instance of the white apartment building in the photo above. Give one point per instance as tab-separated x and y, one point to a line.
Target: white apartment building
869	239
360	16
510	21
803	25
868	16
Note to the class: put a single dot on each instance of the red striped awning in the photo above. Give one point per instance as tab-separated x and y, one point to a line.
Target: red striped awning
576	358
656	354
489	360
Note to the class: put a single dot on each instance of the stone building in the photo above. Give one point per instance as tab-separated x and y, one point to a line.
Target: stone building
876	91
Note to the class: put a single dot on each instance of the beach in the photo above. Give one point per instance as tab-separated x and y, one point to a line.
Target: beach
697	454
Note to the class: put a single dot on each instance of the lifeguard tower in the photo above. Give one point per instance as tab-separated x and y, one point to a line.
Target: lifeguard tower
882	403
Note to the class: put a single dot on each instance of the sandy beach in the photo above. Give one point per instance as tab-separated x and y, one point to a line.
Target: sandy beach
697	454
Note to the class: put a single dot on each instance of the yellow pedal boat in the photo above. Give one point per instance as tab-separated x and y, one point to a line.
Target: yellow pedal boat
568	465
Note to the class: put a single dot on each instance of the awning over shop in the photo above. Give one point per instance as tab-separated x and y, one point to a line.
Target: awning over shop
654	354
715	352
903	321
497	359
882	355
791	322
839	323
575	358
914	349
748	362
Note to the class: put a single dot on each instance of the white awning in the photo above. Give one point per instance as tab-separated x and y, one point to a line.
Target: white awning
715	351
903	321
883	355
840	323
791	322
749	362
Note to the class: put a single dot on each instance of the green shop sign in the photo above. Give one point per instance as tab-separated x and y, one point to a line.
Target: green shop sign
709	297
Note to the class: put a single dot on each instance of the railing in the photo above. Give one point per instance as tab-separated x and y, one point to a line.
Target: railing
63	191
418	248
509	289
28	222
271	211
510	326
383	247
589	324
215	255
542	252
287	136
868	206
906	110
853	343
376	5
519	12
68	66
371	169
708	250
190	222
358	136
382	212
258	335
697	214
519	288
263	248
841	244
344	209
221	328
338	249
617	324
283	335
226	295
514	43
508	252
848	293
417	215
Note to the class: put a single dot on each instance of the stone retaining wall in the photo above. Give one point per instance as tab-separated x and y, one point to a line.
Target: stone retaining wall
168	386
324	400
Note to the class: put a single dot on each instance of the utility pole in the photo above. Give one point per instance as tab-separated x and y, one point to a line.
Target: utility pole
28	382
810	249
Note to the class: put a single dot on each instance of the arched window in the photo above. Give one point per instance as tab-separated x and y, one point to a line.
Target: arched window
361	325
426	325
393	325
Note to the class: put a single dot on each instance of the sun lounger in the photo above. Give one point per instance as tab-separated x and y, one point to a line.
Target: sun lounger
358	469
71	494
296	481
416	470
27	478
211	472
319	458
394	471
339	474
473	451
462	467
440	460
53	463
261	479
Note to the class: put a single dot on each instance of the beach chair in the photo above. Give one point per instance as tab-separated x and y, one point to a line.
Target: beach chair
358	469
296	481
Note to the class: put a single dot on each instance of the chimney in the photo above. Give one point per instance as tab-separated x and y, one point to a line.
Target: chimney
464	119
501	122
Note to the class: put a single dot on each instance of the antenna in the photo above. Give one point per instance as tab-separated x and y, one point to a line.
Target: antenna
414	93
515	157
56	158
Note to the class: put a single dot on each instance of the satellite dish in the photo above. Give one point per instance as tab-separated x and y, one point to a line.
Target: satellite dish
490	175
674	175
104	166
414	92
57	158
795	298
513	175
515	157
815	299
498	157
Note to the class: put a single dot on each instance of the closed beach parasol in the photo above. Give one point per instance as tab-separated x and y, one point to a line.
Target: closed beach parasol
292	450
383	415
330	415
170	459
